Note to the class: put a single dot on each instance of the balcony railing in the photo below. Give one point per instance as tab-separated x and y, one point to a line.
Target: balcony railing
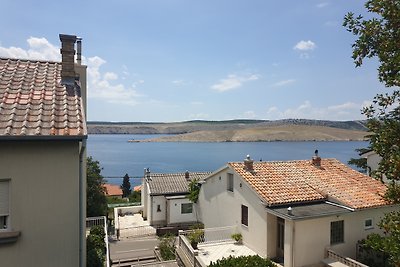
345	260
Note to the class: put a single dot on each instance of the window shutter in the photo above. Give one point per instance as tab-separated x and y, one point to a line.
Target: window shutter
4	198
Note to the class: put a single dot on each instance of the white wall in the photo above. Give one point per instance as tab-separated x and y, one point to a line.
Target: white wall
314	235
174	211
219	207
158	217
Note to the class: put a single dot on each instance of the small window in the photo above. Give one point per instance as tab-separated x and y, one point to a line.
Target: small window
337	232
245	215
4	204
186	208
368	224
158	208
230	182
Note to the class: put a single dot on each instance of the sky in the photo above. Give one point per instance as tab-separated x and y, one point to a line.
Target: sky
179	60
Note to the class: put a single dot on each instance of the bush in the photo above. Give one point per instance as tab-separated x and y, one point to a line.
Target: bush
243	261
96	247
167	247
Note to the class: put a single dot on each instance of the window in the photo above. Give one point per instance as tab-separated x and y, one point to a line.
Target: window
368	224
158	208
230	182
186	208
337	232
4	204
245	215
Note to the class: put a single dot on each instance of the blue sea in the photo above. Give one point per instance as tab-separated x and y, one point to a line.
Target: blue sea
118	157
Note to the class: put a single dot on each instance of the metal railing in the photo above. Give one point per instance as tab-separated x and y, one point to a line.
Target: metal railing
100	221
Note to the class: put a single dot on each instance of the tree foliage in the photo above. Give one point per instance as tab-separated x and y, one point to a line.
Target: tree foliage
360	163
194	190
96	203
379	37
95	247
126	186
243	261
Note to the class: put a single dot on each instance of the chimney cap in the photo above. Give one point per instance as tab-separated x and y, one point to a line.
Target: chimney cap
67	37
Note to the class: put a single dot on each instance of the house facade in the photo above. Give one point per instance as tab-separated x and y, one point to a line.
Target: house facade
42	156
294	211
164	198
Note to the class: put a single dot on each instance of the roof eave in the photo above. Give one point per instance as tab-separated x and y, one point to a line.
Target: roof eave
42	137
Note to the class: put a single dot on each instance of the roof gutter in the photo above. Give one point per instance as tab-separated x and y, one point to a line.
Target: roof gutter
42	137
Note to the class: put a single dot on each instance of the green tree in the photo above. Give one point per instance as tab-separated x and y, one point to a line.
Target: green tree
126	186
194	190
95	247
379	37
96	203
360	163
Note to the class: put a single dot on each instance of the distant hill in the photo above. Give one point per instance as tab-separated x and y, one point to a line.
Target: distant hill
266	134
201	125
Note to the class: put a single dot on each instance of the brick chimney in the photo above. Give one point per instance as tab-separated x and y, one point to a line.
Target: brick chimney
316	160
67	59
187	175
248	163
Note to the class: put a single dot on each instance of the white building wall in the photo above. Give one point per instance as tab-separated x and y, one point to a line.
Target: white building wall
174	211
158	217
312	237
219	207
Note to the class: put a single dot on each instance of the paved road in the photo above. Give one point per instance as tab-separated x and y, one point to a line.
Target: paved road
133	248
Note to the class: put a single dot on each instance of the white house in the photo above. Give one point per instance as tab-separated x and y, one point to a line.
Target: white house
292	211
164	198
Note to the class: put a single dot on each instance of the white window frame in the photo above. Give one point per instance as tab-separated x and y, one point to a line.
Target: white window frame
5	185
229	182
368	227
186	204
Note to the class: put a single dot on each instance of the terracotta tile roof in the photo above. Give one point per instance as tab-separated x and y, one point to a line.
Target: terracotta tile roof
34	103
172	183
112	190
299	181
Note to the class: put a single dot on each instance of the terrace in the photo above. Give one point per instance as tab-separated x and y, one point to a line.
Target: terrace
215	244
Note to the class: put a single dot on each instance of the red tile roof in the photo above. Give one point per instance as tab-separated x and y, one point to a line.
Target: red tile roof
284	182
112	190
34	103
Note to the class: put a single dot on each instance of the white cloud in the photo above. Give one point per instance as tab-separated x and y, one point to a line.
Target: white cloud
283	83
305	45
322	5
39	49
233	81
250	114
344	111
110	76
99	84
199	116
